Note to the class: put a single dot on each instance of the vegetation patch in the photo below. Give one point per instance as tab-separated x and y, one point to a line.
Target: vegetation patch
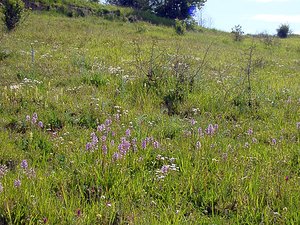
105	121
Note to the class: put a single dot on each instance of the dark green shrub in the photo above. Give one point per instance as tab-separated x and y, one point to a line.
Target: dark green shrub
283	31
12	13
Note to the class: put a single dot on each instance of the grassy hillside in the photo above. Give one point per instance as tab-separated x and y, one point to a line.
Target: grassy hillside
111	122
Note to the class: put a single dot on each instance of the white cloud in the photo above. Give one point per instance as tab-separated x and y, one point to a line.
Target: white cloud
277	18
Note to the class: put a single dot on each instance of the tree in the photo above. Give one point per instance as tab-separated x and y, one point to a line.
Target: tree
177	9
283	31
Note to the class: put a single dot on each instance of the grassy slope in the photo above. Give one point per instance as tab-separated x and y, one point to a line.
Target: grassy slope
229	180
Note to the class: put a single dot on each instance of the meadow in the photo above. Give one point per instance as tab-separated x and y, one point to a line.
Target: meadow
111	122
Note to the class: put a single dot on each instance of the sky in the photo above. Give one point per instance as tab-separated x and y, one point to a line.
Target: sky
255	16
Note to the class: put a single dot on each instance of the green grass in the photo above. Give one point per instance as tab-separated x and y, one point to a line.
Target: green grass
83	8
89	70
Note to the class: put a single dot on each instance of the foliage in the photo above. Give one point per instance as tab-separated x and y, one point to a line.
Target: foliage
180	27
101	130
177	9
82	8
173	9
283	31
191	24
12	13
237	32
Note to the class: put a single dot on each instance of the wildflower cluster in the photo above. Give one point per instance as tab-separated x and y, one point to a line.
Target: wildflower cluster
34	120
112	136
250	133
29	172
115	70
210	130
148	141
26	81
